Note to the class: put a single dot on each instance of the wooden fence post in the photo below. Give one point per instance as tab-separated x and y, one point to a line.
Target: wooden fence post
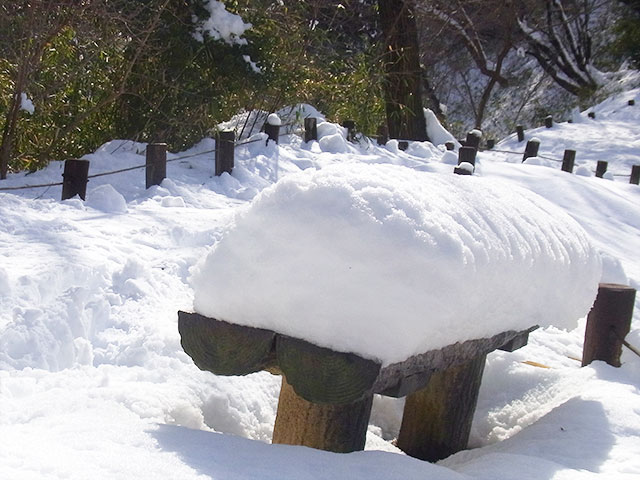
531	150
75	178
350	125
383	135
273	131
225	152
635	175
467	154
568	160
520	132
491	143
473	139
548	121
310	129
608	322
437	419
449	145
403	145
631	102
591	115
601	168
156	164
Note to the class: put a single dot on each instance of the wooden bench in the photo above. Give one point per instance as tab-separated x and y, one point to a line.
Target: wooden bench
326	396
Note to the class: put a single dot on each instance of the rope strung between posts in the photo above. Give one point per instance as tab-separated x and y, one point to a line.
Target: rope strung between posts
625	343
236	144
545	158
103	174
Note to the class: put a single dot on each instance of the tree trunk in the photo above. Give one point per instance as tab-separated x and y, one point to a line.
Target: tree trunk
403	75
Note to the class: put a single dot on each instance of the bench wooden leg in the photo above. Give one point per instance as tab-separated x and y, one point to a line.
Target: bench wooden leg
335	428
437	419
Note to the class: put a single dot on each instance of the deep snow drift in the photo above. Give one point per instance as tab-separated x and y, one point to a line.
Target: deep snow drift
94	383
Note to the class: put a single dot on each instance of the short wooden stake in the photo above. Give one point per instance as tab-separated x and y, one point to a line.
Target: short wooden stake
383	135
520	132
473	139
437	419
273	132
635	175
462	171
467	154
608	322
631	102
591	115
491	143
449	145
403	145
310	129
225	152
568	160
350	125
531	150
75	178
601	168
335	428
548	121
156	164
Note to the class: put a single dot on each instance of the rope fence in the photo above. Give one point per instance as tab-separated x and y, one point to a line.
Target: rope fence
75	177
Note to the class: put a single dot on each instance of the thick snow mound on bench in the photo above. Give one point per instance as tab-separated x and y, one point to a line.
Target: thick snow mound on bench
387	262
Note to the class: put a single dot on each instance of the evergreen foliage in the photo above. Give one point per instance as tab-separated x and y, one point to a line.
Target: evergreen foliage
102	69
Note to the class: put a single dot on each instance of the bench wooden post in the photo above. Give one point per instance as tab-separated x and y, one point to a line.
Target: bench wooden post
635	175
520	132
608	322
75	178
548	121
332	427
437	419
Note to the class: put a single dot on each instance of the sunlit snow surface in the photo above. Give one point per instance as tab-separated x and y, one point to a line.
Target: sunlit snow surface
94	383
387	262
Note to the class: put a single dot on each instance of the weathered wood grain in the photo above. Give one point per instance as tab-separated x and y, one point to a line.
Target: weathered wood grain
334	428
224	348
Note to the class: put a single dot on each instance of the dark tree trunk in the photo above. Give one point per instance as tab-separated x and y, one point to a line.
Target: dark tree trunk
403	75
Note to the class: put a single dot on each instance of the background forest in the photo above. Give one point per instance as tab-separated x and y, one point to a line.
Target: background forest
75	74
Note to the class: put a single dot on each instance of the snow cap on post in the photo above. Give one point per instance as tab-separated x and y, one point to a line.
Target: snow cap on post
274	119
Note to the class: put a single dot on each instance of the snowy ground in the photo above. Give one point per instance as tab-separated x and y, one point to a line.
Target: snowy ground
94	383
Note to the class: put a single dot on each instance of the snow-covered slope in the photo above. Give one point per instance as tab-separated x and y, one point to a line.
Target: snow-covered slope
94	383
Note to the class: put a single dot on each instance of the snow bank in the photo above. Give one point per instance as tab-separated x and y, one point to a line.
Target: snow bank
437	134
386	262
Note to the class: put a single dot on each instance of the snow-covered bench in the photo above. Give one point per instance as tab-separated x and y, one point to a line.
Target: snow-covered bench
371	279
